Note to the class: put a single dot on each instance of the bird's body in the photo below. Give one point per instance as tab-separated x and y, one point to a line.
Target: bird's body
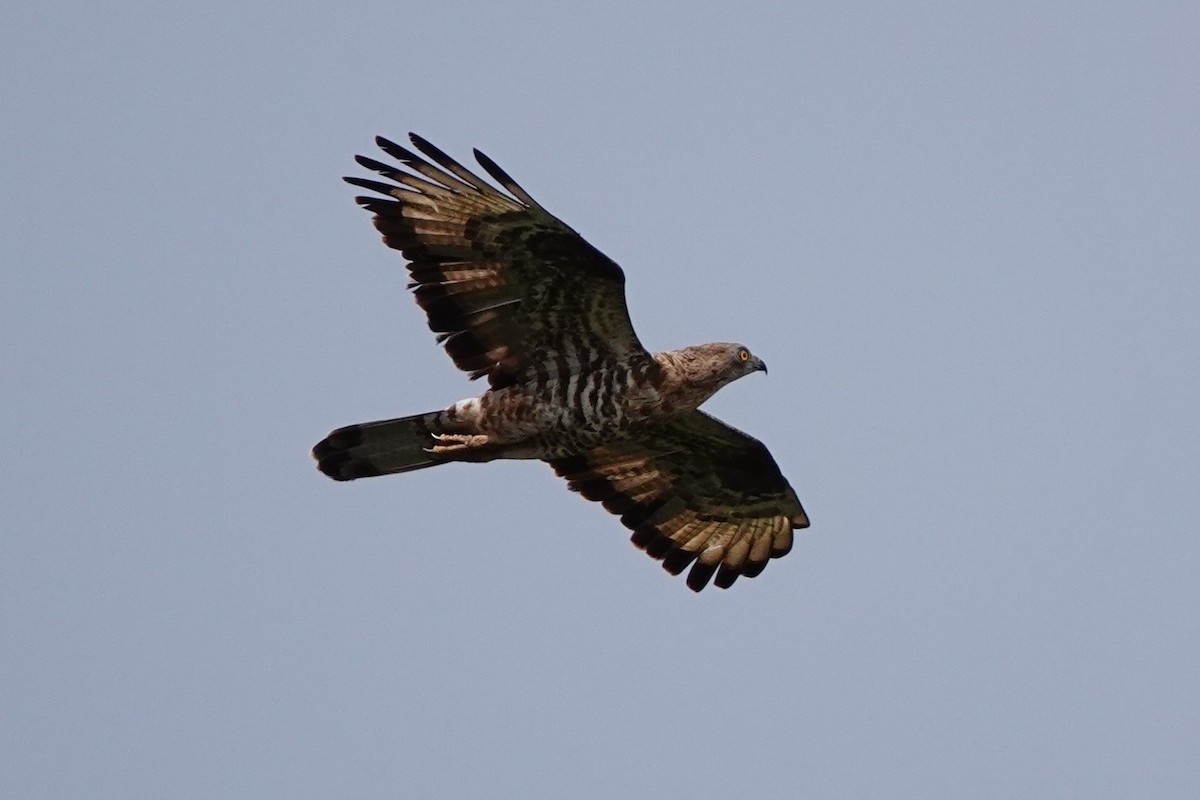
565	414
518	296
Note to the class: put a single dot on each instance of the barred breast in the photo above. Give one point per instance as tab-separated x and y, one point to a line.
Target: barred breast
568	413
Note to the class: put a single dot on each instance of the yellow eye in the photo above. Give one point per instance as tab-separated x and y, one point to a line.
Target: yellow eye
743	354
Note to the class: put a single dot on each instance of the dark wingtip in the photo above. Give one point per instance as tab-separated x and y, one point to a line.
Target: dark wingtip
800	520
677	561
643	536
658	548
370	185
725	577
375	166
432	151
752	569
700	575
504	179
398	152
491	166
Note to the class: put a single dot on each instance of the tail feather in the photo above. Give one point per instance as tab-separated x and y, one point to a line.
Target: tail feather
379	448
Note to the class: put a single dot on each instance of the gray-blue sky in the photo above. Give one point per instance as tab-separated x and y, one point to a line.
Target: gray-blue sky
965	240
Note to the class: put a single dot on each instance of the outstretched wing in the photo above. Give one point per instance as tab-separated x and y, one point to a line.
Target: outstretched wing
508	288
693	489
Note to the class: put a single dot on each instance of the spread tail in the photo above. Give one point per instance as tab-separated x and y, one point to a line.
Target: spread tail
379	448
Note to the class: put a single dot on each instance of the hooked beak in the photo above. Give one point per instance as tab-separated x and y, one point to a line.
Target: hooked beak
759	364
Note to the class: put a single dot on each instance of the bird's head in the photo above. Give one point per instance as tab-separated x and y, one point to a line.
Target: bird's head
744	361
722	362
700	370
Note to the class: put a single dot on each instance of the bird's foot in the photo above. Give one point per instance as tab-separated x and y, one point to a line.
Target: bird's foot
456	444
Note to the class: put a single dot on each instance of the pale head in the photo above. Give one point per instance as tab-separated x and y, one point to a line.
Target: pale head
697	372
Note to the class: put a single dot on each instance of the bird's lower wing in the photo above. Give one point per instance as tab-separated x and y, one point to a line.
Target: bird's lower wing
694	491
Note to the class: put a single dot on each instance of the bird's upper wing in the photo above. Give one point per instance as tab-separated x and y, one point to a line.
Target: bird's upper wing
692	488
509	289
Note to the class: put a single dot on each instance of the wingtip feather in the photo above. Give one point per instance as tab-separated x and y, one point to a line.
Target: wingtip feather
504	179
396	151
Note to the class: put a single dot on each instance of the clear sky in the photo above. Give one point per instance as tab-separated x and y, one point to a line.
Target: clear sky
966	239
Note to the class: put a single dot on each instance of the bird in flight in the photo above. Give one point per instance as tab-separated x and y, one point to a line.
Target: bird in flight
518	297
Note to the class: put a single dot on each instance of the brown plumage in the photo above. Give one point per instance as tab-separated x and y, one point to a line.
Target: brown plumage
516	295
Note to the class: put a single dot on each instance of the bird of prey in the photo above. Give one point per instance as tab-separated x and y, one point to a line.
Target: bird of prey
516	295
